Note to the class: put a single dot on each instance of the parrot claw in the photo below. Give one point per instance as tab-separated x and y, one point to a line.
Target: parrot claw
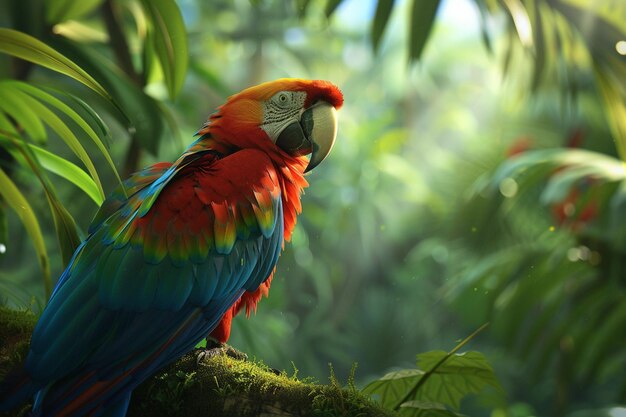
215	348
275	371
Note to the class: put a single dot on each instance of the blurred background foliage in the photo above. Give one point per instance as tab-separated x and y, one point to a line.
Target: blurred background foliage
478	174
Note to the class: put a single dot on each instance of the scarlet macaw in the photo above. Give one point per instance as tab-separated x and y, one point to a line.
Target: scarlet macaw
194	242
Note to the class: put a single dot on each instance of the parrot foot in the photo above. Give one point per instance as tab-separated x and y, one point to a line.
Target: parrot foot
216	348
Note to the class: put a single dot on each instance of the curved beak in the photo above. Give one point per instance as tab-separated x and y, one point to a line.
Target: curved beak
315	133
323	132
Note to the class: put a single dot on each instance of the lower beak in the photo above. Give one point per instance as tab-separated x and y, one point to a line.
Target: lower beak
315	134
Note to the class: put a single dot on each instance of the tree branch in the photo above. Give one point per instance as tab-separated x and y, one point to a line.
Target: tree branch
217	386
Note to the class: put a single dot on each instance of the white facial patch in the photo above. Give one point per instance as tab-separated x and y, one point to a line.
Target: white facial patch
282	109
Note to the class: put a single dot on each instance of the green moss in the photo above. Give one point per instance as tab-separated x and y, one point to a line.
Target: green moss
217	386
15	330
222	386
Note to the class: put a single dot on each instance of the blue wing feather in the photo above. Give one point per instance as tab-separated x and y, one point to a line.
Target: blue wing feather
116	310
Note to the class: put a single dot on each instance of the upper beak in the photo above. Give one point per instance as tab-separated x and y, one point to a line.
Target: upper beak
315	133
323	132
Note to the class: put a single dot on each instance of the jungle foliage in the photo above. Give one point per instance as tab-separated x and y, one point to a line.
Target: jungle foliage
475	179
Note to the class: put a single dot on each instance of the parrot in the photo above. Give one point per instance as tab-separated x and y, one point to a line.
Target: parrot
172	256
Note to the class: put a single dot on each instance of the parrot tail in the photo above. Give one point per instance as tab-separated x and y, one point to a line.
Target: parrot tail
15	389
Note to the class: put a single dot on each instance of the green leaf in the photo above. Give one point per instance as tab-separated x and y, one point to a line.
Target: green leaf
82	32
89	115
520	17
508	54
167	32
602	412
331	6
65	227
615	107
61	167
602	166
383	11
426	409
539	42
150	59
6	124
561	183
617	209
422	18
392	387
26	47
64	133
11	291
15	106
58	11
613	12
302	6
137	111
65	109
20	205
458	376
602	344
484	32
18	110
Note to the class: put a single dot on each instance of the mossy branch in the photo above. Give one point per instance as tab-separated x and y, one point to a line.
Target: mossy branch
216	386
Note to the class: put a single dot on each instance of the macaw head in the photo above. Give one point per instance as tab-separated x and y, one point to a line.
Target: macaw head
297	116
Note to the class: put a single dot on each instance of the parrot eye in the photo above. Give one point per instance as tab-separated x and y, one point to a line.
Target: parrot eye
282	99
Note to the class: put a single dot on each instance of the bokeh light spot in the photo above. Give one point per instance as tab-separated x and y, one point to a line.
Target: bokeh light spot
508	187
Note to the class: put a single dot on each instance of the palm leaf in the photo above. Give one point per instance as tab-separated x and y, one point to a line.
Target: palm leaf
331	6
54	164
62	10
422	19
52	120
167	34
383	11
68	111
141	115
65	227
26	47
22	208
